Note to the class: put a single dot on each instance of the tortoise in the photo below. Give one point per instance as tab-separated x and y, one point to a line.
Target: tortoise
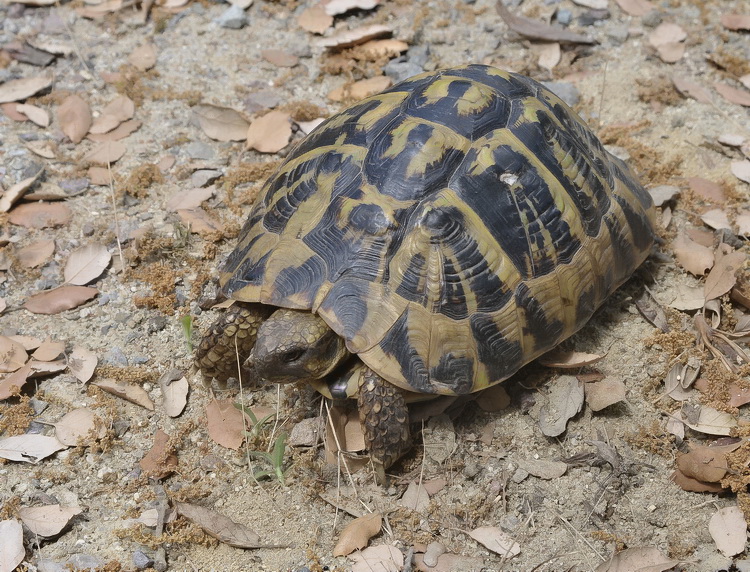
442	233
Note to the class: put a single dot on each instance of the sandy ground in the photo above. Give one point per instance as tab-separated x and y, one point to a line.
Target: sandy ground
572	522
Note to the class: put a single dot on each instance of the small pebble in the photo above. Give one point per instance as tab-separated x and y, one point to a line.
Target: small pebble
432	553
564	16
38	405
591	17
204	177
199	150
141	560
233	18
401	70
651	19
418	55
565	91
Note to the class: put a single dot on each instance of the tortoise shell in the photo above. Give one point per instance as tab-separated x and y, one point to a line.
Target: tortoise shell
450	229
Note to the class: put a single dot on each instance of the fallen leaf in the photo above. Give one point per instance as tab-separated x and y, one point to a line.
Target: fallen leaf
415	498
732	94
741	170
12	551
82	363
86	264
568	359
59	299
693	257
47	520
641	559
710	421
121	107
564	401
693	485
280	58
439	438
30	448
20	89
336	7
34	113
48	350
357	534
382	558
74	116
723	275
133	393
635	7
707	464
200	222
536	30
78	426
602	394
736	21
174	390
40	215
106	153
671	52
738	396
226	423
219	526
120	132
12	355
103	124
14	193
729	530
708	190
221	123
190	199
143	57
315	19
593	4
161	460
688	298
494	539
690	88
12	384
543	469
349	38
269	133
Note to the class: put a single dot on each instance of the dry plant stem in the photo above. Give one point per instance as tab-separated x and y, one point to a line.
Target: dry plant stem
114	212
578	535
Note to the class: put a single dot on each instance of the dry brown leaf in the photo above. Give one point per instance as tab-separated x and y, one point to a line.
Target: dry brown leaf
729	530
174	389
82	363
315	20
716	219
708	190
736	21
536	30
74	116
46	149
415	498
564	401
710	421
100	176
666	33
29	448
543	468
120	132
280	58
349	38
48	350
494	399
604	393
341	426
732	94
121	107
47	520
143	57
20	89
693	485
689	88
133	393
161	460
9	110
635	7
79	427
336	7
707	464
200	222
269	133
103	124
568	359
41	215
549	55
688	298
382	558
12	355
86	264
13	383
494	539
191	198
106	152
59	299
722	277
34	113
357	534
226	423
671	52
741	170
15	192
12	551
221	123
693	257
219	526
641	559
738	396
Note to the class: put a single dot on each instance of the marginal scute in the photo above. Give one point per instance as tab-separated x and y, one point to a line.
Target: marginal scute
450	229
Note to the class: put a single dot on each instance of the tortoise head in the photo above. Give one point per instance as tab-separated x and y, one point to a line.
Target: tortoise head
295	345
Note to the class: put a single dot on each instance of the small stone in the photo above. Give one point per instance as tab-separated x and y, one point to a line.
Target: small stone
509	523
618	35
38	405
141	560
87	229
519	476
115	356
431	554
564	16
261	100
85	562
471	470
74	186
564	90
156	324
204	177
233	18
591	17
199	150
401	70
651	19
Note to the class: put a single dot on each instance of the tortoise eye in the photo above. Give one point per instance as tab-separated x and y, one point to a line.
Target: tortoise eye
292	355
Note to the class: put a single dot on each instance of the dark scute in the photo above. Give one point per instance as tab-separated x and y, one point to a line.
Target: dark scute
453	299
369	219
513	86
238	255
500	357
323	136
303	279
389	174
624	256
396	343
347	301
547	333
249	271
643	234
586	305
454	372
412	285
287	201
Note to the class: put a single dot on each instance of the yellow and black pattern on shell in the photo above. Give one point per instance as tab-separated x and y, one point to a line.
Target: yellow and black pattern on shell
451	229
